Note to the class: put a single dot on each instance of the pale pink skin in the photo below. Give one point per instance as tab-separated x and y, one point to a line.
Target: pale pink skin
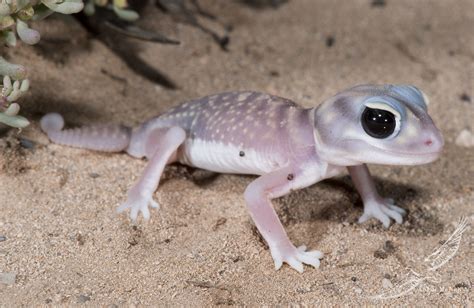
288	146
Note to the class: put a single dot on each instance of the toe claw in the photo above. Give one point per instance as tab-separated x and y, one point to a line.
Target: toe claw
146	213
306	258
389	201
154	204
385	221
297	265
278	264
316	254
134	213
364	218
302	248
398	209
122	208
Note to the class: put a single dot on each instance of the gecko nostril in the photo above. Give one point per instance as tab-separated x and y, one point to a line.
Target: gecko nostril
428	142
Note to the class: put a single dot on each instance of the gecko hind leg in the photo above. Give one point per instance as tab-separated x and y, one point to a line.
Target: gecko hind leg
161	148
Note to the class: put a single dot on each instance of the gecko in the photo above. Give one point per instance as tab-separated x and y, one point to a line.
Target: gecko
287	146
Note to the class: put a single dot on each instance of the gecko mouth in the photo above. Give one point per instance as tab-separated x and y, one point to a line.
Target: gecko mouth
411	154
416	158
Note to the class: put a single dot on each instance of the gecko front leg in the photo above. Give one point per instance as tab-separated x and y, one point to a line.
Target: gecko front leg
374	205
160	148
257	196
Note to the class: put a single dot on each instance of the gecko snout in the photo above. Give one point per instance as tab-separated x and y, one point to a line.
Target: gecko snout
434	141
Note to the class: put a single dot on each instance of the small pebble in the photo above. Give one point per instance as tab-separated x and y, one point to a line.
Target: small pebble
330	41
380	254
3	238
7	278
462	285
94	175
465	97
465	139
379	3
358	290
388	247
83	298
26	143
386	283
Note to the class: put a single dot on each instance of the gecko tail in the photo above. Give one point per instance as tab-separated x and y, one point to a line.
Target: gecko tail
106	138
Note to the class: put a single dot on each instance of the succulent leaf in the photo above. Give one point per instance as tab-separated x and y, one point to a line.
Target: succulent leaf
15	71
9	37
27	35
128	15
89	8
120	3
12	110
14	121
41	12
64	6
4	9
26	13
6	22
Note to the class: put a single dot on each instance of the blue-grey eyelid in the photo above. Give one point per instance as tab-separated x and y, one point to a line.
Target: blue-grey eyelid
410	94
390	102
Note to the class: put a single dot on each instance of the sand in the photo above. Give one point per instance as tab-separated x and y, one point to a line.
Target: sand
62	243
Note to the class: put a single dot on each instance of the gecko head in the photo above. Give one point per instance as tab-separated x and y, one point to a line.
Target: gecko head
382	124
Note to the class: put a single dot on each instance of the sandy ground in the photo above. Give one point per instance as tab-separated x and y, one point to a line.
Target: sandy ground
59	233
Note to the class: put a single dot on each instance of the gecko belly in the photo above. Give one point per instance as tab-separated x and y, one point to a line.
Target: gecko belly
227	158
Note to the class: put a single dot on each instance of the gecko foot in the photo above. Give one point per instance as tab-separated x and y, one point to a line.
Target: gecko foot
138	203
383	210
295	257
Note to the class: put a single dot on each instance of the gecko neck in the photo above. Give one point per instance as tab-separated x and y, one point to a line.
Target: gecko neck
327	152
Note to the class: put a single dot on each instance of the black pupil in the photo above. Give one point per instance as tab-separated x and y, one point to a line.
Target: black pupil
378	123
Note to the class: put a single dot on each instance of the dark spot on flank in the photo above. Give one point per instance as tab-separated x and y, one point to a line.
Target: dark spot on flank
290	177
465	97
241	153
330	40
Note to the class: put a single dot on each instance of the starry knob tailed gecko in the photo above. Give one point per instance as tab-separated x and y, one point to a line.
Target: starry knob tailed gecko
288	146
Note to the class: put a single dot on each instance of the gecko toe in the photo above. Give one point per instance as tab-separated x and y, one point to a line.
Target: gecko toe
278	263
308	259
122	207
154	204
364	218
296	264
393	214
302	248
146	213
397	209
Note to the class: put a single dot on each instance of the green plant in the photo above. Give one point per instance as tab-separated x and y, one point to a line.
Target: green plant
118	6
15	16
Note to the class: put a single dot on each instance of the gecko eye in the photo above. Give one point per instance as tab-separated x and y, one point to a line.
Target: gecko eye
378	123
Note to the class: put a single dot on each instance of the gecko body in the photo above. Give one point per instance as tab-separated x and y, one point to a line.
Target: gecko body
288	146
